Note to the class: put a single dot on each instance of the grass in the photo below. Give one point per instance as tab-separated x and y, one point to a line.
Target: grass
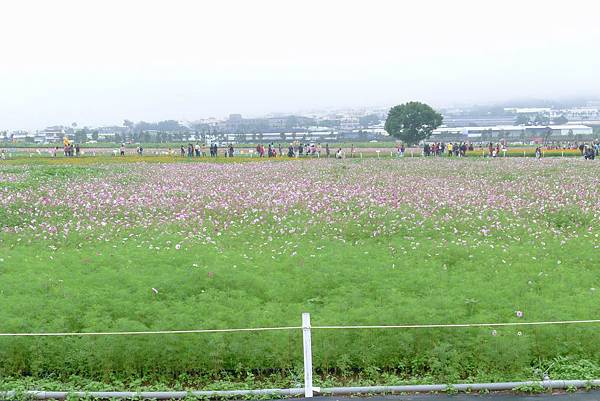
267	272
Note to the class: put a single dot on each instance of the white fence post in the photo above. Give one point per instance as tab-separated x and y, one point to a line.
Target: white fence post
308	387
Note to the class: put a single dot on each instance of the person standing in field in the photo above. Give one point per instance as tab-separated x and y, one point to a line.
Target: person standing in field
122	150
401	150
230	150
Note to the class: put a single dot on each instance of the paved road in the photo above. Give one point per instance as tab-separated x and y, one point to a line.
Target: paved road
582	396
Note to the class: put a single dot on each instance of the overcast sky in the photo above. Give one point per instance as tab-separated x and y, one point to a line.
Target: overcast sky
99	62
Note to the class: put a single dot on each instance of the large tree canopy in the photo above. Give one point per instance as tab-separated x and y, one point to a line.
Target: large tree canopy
412	122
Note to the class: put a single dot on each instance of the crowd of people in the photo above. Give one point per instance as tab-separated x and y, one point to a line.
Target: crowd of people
440	149
268	151
588	151
199	150
69	150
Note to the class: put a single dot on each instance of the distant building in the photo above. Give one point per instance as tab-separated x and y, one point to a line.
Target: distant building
277	123
513	133
109	133
51	135
483	120
528	110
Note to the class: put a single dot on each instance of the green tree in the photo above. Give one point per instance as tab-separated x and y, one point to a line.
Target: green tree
81	136
95	135
412	122
541	119
560	120
522	119
369	119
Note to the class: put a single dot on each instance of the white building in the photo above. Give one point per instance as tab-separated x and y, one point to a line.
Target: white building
50	135
515	132
528	110
571	129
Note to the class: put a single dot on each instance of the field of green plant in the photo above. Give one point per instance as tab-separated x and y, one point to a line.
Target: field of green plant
96	244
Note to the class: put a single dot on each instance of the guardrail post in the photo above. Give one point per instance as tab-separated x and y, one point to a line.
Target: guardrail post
308	387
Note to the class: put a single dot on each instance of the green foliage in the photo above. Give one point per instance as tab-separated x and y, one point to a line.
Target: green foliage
534	388
570	368
412	122
560	120
569	216
367	120
103	283
12	215
74	288
541	119
450	390
522	119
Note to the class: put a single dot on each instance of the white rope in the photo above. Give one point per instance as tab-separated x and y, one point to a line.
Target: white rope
431	326
256	329
137	333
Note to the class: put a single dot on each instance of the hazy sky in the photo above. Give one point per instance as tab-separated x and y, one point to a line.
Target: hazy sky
99	62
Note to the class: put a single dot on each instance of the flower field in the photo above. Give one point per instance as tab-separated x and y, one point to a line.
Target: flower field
110	246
